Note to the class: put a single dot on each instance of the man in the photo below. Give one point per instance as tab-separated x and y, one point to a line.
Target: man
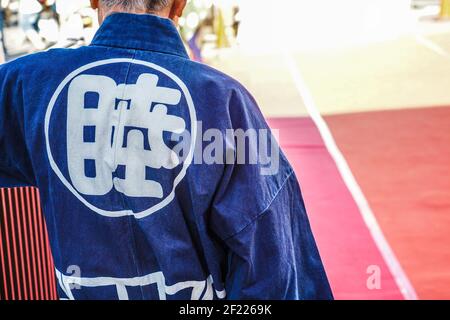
111	133
29	11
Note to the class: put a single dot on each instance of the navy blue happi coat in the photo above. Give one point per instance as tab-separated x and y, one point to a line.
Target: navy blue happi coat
128	141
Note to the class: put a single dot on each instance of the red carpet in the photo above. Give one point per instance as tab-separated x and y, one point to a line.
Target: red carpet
344	241
401	159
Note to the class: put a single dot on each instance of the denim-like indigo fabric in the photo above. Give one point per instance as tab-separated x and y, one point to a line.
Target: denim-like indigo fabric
228	227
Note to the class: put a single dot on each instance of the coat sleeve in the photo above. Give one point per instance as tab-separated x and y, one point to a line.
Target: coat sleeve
276	257
261	218
15	167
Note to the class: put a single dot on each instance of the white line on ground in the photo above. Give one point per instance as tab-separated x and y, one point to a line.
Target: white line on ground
396	269
427	43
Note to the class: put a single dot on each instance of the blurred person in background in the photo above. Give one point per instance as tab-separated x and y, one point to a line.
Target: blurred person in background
70	22
139	220
29	11
77	21
48	27
2	35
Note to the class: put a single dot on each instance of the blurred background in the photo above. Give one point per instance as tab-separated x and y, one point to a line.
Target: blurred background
360	92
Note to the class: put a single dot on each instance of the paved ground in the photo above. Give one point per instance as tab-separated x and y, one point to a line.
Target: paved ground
410	71
268	79
401	73
361	56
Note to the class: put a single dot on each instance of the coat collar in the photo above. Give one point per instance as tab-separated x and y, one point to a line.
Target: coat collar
142	32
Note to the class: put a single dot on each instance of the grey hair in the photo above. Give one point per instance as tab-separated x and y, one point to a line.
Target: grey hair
149	5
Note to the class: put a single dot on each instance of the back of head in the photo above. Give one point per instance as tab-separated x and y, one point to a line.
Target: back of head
130	5
171	9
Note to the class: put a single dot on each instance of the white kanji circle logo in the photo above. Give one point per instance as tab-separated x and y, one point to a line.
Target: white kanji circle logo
107	138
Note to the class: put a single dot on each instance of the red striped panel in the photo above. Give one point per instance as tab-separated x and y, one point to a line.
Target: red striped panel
26	264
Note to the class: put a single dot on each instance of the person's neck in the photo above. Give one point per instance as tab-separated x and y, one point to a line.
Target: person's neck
162	14
118	9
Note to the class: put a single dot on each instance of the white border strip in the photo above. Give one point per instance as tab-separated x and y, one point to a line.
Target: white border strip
394	266
431	45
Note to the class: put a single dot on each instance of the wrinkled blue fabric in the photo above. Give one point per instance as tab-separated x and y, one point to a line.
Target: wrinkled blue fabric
227	232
